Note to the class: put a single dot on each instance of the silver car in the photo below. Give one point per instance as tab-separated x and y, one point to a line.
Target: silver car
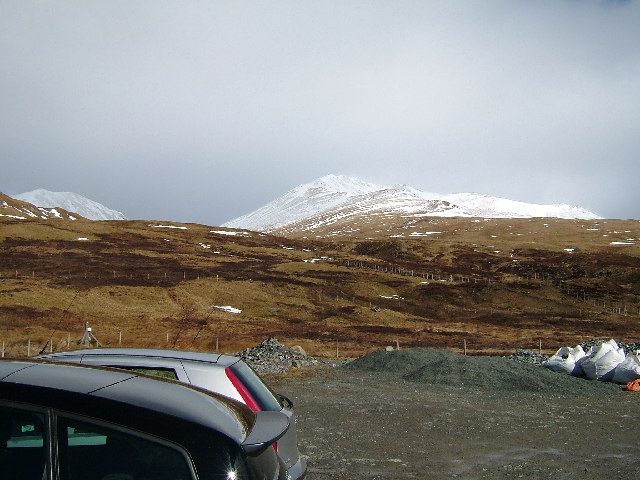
223	374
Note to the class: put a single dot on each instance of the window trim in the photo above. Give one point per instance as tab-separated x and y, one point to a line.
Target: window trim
51	439
57	414
47	433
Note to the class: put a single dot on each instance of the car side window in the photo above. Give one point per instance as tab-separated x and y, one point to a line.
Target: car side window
23	453
87	451
157	372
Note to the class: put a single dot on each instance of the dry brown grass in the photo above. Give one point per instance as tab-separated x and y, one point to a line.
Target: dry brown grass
514	285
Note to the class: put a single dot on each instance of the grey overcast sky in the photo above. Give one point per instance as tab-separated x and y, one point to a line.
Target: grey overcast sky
206	110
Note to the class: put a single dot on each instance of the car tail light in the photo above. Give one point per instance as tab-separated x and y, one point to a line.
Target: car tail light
243	391
246	396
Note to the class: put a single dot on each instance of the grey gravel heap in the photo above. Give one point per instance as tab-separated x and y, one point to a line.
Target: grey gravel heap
488	374
528	356
270	356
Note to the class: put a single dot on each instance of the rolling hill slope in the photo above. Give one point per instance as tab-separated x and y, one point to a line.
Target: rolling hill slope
496	284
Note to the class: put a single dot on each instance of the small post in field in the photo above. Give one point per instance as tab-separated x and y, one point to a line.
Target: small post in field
465	346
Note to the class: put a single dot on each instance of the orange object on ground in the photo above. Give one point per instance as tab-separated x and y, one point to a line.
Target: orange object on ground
634	386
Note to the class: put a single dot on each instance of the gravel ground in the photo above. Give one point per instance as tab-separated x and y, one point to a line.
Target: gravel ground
436	414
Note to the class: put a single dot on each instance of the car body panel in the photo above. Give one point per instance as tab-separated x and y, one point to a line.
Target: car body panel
167	409
205	370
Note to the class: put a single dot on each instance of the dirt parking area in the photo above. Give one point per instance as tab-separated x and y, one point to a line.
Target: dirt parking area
369	424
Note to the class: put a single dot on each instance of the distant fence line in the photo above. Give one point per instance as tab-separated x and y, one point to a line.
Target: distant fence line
31	348
112	274
579	294
395	269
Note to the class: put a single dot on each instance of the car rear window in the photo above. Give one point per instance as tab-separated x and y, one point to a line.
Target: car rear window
157	372
262	394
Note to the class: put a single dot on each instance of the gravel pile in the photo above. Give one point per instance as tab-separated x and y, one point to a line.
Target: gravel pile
497	374
596	342
271	356
528	356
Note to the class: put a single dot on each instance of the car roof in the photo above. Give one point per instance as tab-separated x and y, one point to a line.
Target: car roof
218	358
168	397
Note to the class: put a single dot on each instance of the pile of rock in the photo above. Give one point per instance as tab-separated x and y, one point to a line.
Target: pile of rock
595	342
528	356
271	356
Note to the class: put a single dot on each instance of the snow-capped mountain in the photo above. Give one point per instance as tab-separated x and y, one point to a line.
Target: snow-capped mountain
304	201
338	199
11	208
71	202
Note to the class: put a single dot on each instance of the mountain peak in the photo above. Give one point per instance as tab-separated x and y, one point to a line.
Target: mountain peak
343	184
339	199
72	202
13	208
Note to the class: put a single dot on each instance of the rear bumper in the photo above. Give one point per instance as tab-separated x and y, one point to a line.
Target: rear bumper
298	470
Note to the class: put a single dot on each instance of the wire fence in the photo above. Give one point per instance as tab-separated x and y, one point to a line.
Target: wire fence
158	276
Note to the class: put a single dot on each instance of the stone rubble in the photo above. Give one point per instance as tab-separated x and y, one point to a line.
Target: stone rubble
271	356
595	342
528	356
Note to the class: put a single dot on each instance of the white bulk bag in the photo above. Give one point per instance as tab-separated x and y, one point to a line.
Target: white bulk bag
565	360
601	361
629	369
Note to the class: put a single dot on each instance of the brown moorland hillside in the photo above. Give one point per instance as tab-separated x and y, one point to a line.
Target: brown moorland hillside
492	284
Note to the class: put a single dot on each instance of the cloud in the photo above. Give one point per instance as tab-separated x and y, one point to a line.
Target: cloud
136	103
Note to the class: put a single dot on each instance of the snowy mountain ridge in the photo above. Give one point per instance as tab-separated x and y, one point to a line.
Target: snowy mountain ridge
334	198
11	208
72	202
